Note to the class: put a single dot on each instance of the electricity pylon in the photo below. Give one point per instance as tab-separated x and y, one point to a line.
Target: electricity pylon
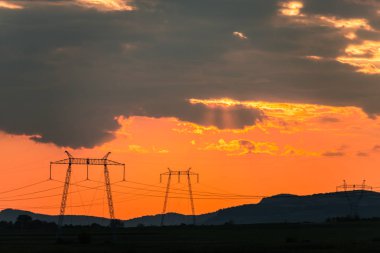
105	162
354	194
178	173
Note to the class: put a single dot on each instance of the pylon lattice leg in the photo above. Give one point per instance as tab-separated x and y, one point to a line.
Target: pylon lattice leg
64	196
191	197
109	193
166	200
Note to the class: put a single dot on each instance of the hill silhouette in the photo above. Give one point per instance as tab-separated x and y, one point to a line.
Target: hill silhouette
276	209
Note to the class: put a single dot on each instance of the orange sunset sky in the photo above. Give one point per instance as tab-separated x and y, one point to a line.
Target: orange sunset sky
258	97
299	149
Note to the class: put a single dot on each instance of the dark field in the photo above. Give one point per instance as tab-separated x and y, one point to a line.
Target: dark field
361	236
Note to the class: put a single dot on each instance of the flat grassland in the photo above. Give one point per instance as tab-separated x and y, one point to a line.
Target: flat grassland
359	236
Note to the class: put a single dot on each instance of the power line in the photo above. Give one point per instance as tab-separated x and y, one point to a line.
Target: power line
201	196
24	187
197	192
35	192
46	196
161	196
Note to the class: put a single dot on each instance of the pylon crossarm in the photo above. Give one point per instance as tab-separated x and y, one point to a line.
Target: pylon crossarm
353	187
88	161
64	161
179	172
110	162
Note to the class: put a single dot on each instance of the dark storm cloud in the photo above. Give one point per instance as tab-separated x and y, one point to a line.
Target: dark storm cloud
238	116
345	8
66	72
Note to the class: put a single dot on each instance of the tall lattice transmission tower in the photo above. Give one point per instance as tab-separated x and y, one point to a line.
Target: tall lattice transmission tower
188	174
70	161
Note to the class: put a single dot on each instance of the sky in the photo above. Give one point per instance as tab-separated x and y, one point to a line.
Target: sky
260	97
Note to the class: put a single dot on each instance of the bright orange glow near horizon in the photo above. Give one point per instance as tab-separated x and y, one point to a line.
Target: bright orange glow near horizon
296	148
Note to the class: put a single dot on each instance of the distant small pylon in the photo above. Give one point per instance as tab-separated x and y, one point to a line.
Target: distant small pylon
178	173
354	194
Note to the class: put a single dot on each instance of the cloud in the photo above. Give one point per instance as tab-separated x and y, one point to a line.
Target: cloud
334	154
134	148
372	3
291	8
329	120
243	147
240	35
106	5
99	5
314	57
138	149
67	71
292	151
364	56
10	5
120	146
285	111
351	23
348	26
234	117
375	149
247	147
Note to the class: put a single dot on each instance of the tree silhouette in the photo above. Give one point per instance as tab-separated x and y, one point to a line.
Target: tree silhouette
23	221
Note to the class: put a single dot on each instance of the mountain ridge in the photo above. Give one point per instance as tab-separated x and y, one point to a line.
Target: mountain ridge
274	209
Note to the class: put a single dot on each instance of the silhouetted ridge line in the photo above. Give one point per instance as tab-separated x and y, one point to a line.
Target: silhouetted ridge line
276	209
